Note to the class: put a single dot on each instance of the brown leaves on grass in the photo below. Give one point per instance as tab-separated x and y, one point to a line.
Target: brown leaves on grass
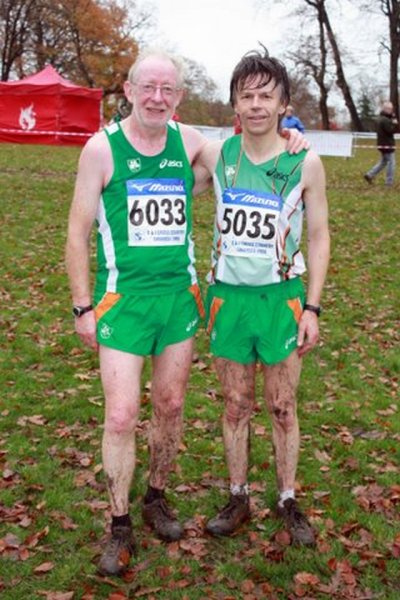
303	581
342	585
396	546
375	498
57	595
32	420
12	547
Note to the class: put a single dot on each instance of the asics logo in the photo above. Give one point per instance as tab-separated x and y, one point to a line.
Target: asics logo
171	163
290	341
191	324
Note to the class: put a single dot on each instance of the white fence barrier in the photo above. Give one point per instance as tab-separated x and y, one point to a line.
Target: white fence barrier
214	133
331	143
325	143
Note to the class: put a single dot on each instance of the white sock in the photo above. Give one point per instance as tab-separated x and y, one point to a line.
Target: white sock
237	489
285	495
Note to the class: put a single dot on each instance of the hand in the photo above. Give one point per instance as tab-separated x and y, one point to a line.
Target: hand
296	142
308	334
85	327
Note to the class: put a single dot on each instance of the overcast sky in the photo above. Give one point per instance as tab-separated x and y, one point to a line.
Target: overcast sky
216	33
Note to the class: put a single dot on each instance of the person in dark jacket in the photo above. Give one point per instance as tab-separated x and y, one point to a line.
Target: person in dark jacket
386	127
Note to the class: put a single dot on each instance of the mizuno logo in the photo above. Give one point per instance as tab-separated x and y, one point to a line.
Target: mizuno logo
245	198
138	186
233	195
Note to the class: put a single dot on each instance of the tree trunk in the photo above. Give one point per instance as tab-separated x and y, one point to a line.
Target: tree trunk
323	99
341	79
393	13
323	107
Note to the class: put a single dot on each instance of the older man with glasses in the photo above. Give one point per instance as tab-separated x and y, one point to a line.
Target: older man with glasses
136	180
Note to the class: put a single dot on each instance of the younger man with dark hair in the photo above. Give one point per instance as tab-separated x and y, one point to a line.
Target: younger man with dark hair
258	309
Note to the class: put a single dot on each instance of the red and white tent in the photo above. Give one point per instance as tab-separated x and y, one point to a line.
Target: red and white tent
45	108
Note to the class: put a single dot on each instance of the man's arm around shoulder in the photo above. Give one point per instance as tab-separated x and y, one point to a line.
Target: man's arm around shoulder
205	165
203	156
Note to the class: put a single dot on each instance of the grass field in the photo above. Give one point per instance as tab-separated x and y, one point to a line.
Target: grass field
53	507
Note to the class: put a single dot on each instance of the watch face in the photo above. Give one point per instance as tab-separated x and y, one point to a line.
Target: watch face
78	311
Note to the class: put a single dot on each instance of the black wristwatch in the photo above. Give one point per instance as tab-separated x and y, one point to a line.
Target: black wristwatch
312	308
78	311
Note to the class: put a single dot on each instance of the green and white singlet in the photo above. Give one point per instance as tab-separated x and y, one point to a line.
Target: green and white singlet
259	218
144	237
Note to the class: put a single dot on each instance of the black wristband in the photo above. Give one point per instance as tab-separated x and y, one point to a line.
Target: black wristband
78	311
312	308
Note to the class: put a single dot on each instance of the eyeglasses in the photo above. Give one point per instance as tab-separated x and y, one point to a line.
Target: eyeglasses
148	89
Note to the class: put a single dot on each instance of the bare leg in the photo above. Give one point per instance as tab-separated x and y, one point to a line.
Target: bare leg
281	382
238	384
120	374
170	376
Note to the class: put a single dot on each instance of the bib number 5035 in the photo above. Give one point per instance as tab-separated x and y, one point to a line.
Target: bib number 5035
165	212
253	224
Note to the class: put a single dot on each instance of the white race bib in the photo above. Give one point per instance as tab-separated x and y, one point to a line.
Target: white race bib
156	212
248	222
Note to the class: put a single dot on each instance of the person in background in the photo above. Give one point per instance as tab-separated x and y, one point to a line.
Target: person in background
387	124
237	128
290	121
135	179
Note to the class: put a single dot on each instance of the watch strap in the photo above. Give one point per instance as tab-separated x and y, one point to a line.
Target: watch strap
312	308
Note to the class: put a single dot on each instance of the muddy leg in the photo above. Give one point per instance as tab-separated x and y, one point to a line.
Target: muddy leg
238	383
120	374
170	376
281	382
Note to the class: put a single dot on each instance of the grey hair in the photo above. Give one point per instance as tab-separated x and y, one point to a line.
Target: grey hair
158	52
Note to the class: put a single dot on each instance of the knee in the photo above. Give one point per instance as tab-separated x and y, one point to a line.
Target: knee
169	404
238	409
284	414
121	420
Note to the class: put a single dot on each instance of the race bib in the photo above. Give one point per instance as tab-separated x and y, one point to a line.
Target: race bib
248	222
156	212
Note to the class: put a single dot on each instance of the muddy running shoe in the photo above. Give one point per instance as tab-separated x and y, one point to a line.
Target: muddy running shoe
118	551
236	512
161	519
299	528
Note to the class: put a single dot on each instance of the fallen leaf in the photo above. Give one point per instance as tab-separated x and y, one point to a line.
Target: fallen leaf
44	568
304	578
283	538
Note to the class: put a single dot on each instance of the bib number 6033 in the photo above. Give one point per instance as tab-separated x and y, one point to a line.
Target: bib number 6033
166	212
